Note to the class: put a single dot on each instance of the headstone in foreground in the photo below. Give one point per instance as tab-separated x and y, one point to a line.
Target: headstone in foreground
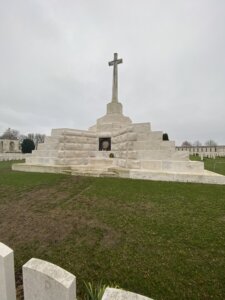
7	277
46	281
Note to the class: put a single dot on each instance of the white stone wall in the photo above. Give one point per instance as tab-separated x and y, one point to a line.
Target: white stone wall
11	146
45	281
13	156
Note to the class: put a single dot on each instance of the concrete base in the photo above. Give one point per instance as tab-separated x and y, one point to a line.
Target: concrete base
88	170
24	167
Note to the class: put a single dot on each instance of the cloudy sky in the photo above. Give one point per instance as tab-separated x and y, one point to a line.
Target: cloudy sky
54	69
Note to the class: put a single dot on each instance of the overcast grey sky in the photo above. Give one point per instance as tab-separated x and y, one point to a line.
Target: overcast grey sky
54	64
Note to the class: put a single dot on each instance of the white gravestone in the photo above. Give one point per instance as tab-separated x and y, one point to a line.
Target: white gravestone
7	277
116	294
45	281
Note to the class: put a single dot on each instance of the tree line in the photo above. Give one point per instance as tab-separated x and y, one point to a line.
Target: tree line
198	144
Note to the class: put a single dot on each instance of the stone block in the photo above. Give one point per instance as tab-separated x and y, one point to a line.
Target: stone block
133	164
155	165
103	162
167	145
141	127
45	281
143	136
117	294
156	135
154	154
7	276
183	166
114	107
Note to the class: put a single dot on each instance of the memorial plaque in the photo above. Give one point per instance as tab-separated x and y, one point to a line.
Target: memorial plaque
105	144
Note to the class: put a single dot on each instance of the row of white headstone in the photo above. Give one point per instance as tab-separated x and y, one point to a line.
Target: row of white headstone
45	281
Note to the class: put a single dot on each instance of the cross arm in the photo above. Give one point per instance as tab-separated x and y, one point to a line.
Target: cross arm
118	61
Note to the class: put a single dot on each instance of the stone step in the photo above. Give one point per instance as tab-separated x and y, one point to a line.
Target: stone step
49	146
88	171
161	165
79	139
101	162
67	146
143	145
141	127
173	166
153	145
153	135
72	132
56	161
45	153
159	155
79	146
150	154
41	161
63	153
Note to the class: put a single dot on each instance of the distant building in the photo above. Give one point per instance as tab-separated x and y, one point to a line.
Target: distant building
9	146
203	151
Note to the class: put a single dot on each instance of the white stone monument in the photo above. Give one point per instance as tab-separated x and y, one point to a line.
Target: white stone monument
115	146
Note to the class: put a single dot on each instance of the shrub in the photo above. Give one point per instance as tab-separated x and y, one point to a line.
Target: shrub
27	146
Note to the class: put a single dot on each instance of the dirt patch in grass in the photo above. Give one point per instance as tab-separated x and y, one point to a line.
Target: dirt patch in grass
31	217
50	215
38	215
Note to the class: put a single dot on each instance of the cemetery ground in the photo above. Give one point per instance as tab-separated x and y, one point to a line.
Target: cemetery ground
160	239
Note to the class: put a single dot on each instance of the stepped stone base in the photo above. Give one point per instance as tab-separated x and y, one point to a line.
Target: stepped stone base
136	152
88	170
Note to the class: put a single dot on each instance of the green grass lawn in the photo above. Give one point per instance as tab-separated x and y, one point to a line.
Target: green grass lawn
215	165
160	239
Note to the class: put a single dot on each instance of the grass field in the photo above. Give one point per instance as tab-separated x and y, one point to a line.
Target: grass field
160	239
215	165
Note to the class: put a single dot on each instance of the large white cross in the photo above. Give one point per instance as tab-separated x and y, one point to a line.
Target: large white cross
114	63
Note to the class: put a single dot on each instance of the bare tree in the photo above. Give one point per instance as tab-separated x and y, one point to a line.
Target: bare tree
186	144
31	136
37	138
10	134
40	138
210	143
197	144
22	137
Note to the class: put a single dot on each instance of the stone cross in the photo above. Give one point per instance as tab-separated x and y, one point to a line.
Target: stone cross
114	63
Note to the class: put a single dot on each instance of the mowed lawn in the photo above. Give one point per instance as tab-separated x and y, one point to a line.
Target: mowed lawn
215	165
160	239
